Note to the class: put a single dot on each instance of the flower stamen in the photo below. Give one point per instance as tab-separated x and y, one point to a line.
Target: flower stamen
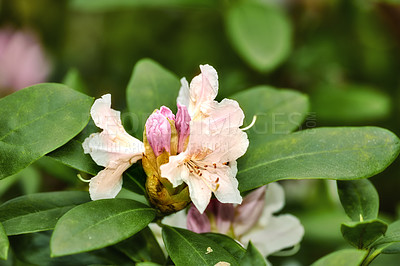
251	124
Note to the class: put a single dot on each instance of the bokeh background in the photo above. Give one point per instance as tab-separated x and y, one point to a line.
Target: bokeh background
345	54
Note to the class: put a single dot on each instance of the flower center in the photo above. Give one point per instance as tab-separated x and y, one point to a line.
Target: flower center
197	168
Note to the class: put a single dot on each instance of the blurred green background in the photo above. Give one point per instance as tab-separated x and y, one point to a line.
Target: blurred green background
345	54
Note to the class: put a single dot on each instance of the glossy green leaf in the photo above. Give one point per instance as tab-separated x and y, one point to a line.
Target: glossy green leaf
277	112
98	224
228	244
252	257
324	153
390	243
188	248
34	249
72	155
38	120
150	87
348	257
350	103
260	32
105	5
141	247
38	212
4	243
28	176
363	234
359	199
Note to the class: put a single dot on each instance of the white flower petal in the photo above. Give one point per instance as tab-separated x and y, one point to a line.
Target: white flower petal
281	232
106	152
174	170
228	191
108	182
199	192
184	93
274	199
106	118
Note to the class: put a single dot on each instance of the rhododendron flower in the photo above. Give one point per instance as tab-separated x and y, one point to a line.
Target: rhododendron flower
208	164
113	148
253	220
22	60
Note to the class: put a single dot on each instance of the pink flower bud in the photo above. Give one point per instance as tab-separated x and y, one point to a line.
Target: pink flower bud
165	111
158	131
182	124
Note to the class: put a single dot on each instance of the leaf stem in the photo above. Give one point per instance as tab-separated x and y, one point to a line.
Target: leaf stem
370	257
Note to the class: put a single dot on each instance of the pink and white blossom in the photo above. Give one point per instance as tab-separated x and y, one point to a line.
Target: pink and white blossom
112	148
208	164
158	130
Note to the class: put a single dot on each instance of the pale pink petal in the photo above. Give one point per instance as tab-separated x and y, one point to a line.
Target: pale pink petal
184	94
182	125
224	116
158	133
108	182
199	192
174	170
227	191
197	222
281	232
165	111
106	118
106	152
203	90
249	212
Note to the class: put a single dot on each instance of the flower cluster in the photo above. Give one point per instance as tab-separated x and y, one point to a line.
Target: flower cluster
192	154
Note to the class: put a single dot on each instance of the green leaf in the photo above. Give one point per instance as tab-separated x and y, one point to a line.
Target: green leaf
34	249
72	155
260	32
350	103
38	212
363	234
359	199
150	87
323	153
228	244
4	243
98	224
143	246
348	257
188	248
278	112
390	243
38	120
106	5
252	257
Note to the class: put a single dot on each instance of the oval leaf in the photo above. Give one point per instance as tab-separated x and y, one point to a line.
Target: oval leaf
150	87
348	257
324	153
188	248
38	212
363	234
4	243
350	103
278	112
37	120
260	32
391	240
98	224
359	199
228	244
253	257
